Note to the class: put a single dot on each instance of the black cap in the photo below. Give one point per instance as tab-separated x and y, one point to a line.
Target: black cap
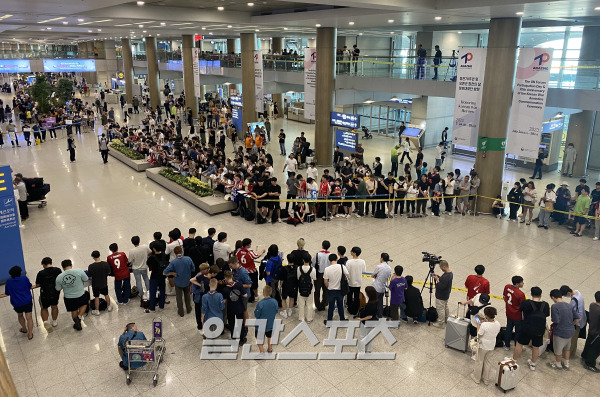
484	298
386	257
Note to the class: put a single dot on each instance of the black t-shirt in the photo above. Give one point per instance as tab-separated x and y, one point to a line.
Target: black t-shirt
419	160
527	310
281	137
350	191
260	190
434	180
156	273
233	294
46	280
381	189
424	186
338	156
275	189
98	272
370	309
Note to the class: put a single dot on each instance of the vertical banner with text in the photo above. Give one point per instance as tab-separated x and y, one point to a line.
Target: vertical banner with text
196	67
467	100
310	82
10	233
259	95
529	102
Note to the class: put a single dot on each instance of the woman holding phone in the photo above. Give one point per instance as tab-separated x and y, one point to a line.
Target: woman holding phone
487	330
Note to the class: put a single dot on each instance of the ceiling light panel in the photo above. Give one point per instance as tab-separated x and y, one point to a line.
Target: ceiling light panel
53	19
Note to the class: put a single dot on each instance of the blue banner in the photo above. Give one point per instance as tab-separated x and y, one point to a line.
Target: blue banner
553	126
236	112
15	66
346	140
69	65
344	120
10	234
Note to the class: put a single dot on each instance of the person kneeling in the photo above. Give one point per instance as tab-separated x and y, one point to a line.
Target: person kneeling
131	333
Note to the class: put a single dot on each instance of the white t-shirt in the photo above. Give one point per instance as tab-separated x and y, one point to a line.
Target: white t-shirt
487	334
438	152
221	250
449	187
291	164
138	256
312	173
356	268
306	269
550	196
170	248
406	146
333	273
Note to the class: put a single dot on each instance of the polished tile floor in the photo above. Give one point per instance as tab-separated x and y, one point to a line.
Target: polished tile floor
92	205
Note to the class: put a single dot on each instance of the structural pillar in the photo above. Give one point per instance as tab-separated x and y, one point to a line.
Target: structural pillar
326	40
153	75
500	66
248	41
231	47
187	44
277	45
127	69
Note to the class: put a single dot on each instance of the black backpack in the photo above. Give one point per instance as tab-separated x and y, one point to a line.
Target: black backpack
536	320
344	286
102	305
305	284
163	261
432	314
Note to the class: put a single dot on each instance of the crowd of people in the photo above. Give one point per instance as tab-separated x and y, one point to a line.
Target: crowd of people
222	281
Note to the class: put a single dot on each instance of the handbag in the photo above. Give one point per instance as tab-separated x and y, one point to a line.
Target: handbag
549	205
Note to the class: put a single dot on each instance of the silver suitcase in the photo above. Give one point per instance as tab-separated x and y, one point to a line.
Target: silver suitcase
457	332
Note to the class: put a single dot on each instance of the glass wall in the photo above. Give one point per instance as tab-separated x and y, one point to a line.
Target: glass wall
383	118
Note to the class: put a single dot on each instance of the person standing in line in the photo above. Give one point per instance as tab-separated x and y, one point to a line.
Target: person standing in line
381	274
118	262
71	147
181	268
591	351
443	289
332	278
394	160
487	331
563	319
18	288
103	148
513	296
356	267
71	282
246	257
534	312
138	257
156	263
397	288
582	207
49	296
307	276
281	138
547	204
437	61
514	198
578	306
406	152
569	160
212	304
234	294
99	271
529	199
321	262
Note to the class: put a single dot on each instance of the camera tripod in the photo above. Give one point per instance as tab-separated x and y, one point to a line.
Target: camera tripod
429	279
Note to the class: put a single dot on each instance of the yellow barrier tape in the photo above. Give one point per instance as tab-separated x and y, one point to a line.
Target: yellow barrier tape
345	200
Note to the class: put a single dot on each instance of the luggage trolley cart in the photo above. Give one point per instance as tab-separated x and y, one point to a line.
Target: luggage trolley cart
149	352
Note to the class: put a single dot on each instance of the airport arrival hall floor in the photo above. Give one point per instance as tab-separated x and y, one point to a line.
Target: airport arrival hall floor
92	205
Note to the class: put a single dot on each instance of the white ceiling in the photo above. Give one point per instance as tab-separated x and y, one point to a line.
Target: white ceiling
117	18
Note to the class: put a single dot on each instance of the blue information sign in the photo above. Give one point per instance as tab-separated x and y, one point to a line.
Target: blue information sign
344	120
552	126
10	234
69	65
236	112
346	140
235	100
15	66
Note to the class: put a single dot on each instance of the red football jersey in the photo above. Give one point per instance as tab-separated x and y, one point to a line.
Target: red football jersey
476	285
118	263
246	259
513	298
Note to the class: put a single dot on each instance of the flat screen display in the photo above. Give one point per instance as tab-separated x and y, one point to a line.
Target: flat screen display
15	66
412	132
69	65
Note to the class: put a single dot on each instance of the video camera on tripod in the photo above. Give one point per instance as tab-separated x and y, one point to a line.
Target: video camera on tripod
432	259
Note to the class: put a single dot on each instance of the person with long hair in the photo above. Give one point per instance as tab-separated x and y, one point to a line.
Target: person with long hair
367	313
514	201
529	199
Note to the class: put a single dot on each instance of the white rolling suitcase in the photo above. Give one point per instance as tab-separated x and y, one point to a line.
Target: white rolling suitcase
508	375
457	331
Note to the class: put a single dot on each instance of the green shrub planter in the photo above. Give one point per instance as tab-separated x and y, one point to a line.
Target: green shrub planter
132	154
192	184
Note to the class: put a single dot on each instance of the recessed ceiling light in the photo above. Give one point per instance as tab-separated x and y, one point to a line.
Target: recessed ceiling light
350	23
390	21
210	33
318	25
520	13
438	18
99	30
141	3
140	26
203	28
89	31
391	32
144	31
257	30
158	34
65	23
220	8
49	28
459	32
162	24
285	28
229	26
250	4
80	20
360	34
597	9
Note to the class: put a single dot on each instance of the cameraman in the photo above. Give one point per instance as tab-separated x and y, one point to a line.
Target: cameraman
442	293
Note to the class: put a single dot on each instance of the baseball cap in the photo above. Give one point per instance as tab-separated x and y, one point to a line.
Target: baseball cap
564	183
484	298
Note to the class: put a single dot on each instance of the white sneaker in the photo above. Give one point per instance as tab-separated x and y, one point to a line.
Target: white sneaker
201	332
450	213
109	308
96	312
347	216
279	220
283	314
54	323
289	312
595	239
81	318
531	365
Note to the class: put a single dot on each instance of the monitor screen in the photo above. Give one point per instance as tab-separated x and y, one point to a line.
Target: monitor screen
412	132
15	66
69	65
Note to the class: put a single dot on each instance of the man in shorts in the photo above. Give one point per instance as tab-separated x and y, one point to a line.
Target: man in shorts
535	311
71	282
261	193
99	272
274	194
49	296
563	319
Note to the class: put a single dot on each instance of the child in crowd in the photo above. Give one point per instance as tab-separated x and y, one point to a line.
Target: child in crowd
266	309
212	304
200	285
397	288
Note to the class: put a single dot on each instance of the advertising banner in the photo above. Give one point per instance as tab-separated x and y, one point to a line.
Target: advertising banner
344	120
10	233
310	82
467	100
529	101
259	95
196	66
69	65
15	66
